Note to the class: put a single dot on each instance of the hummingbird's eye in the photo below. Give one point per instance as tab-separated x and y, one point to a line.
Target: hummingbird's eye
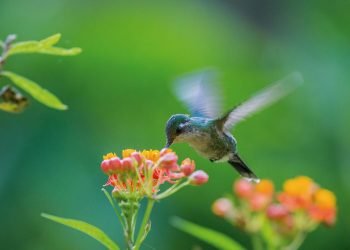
178	130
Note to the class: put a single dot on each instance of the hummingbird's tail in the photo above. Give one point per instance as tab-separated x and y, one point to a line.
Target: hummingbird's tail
242	168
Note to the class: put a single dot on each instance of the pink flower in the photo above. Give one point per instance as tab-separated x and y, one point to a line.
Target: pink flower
198	178
127	164
259	202
243	188
111	166
138	157
168	162
105	166
115	165
187	167
222	207
277	211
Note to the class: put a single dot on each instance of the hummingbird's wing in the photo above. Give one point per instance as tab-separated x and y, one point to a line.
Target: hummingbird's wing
261	100
200	93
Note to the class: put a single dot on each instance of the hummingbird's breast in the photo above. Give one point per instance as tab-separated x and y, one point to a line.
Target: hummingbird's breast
211	143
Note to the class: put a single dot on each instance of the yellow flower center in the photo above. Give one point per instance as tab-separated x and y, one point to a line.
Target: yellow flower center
109	156
127	152
152	155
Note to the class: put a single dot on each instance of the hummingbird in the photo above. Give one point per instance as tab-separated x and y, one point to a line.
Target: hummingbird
205	129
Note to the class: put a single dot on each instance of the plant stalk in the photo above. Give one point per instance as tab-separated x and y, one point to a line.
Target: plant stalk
145	220
256	242
296	243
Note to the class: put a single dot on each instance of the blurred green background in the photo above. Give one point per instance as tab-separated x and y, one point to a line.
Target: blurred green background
119	96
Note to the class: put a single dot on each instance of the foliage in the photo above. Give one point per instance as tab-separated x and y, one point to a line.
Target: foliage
16	102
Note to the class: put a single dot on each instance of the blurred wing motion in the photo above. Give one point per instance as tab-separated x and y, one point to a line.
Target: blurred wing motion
200	93
263	99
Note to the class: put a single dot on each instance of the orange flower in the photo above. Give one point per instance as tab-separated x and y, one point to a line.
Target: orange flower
265	187
300	186
325	198
324	207
298	192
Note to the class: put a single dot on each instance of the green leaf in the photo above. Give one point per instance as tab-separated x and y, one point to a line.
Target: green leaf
60	51
210	236
51	40
43	46
40	94
86	228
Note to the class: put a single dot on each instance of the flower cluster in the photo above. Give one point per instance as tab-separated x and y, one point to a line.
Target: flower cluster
141	173
278	217
303	194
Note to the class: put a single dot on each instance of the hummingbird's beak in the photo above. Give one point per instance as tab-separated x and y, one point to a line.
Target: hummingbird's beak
168	143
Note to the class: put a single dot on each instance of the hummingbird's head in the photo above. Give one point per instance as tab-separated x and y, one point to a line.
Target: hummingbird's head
176	127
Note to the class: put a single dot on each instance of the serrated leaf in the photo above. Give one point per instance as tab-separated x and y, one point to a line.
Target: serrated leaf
86	228
214	238
43	46
37	92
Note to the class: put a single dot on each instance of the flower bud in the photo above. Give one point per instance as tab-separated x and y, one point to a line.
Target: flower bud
222	207
168	161
115	165
105	166
243	188
127	164
187	166
138	157
116	193
259	202
277	211
198	178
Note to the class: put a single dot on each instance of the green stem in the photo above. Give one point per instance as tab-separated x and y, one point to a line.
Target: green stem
296	243
129	209
129	231
5	48
256	242
172	190
145	220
